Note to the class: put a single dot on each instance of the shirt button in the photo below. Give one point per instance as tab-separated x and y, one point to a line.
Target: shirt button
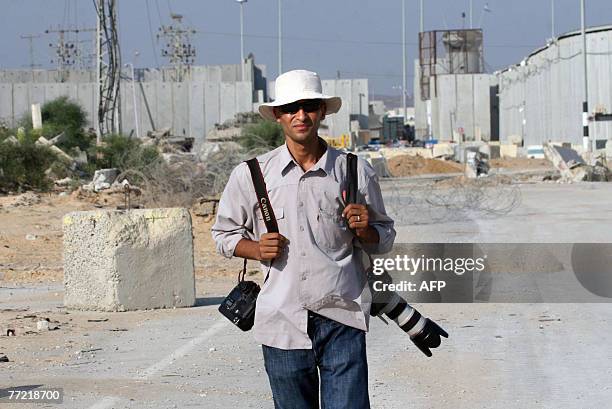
303	254
304	277
301	228
301	204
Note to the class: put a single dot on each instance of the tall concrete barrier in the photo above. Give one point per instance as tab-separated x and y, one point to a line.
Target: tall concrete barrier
128	260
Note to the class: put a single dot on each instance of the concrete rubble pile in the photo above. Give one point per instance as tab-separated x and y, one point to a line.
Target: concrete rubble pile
72	162
103	179
168	143
573	167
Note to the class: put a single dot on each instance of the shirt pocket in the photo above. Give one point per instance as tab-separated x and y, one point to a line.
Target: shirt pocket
279	213
332	232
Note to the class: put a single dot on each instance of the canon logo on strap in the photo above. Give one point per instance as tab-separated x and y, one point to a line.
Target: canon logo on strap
264	208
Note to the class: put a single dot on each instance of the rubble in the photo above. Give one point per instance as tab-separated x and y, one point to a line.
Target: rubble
11	139
25	199
206	207
476	163
103	179
63	182
42	325
567	162
573	167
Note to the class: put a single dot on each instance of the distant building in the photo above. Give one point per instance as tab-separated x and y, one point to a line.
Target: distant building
540	99
451	90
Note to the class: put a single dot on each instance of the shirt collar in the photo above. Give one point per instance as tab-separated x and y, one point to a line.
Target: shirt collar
325	163
286	160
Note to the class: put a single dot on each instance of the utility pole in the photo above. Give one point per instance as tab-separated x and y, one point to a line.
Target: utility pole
30	38
135	105
585	103
471	14
552	19
280	39
403	60
242	36
421	17
108	69
67	52
178	49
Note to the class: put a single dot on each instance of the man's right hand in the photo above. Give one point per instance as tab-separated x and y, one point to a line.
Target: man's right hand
271	245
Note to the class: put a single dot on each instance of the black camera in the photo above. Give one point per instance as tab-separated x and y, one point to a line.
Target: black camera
239	305
422	331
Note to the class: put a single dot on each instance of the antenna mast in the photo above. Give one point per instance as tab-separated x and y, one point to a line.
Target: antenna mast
108	69
178	48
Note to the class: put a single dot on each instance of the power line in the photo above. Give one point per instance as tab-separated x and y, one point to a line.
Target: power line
161	21
30	38
338	41
178	48
152	36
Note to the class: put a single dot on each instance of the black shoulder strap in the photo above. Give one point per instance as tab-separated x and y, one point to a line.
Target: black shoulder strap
264	205
262	196
351	177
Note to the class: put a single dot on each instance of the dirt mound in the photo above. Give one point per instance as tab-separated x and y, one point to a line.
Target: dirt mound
406	165
25	199
520	163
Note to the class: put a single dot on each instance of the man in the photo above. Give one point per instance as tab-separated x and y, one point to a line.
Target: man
313	309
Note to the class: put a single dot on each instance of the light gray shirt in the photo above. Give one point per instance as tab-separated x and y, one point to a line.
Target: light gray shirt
321	269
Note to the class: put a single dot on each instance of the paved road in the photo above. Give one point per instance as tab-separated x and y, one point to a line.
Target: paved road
498	355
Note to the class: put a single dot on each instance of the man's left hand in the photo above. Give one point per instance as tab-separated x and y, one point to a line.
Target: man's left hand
357	218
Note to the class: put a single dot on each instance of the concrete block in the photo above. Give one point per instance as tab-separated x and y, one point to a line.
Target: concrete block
443	149
121	261
508	151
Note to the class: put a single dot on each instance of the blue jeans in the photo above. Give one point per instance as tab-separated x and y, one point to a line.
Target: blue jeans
338	354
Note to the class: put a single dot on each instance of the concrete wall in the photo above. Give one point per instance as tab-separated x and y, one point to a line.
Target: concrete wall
210	95
541	98
462	106
462	103
188	108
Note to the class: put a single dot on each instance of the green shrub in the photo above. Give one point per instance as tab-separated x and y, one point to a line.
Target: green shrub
125	153
63	115
22	166
265	134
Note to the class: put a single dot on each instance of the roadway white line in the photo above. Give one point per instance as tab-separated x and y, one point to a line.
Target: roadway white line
180	352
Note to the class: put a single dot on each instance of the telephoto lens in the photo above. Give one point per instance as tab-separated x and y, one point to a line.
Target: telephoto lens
423	332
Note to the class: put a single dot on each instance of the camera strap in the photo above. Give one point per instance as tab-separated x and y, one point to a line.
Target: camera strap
262	196
264	205
351	176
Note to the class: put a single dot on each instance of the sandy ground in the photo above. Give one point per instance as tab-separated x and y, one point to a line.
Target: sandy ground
408	165
31	237
498	355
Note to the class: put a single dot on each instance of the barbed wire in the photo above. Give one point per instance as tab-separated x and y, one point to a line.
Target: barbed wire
184	179
181	180
453	199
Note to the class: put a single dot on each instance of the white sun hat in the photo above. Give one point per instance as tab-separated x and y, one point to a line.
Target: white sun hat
296	85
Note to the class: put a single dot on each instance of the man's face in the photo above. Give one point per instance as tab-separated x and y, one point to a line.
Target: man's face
300	120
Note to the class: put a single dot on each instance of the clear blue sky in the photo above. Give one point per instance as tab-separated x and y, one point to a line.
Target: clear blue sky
359	38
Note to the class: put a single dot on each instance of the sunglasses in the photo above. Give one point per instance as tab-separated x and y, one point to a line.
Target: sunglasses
309	105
